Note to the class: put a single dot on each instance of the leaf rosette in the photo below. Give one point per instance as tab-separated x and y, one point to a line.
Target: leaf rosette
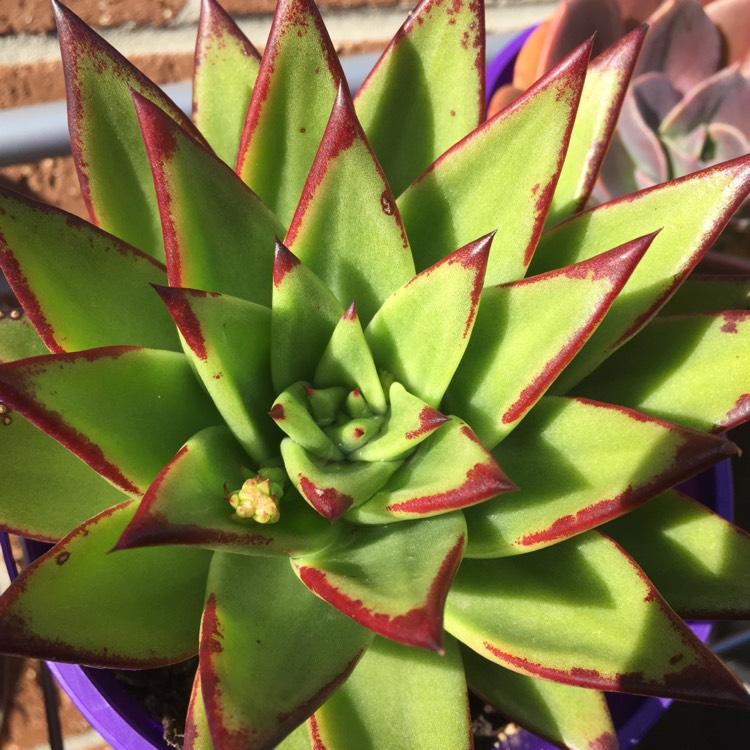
324	402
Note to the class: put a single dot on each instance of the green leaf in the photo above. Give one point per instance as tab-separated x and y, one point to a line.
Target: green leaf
218	235
696	559
571	717
197	735
696	207
187	504
347	361
410	422
105	136
603	92
579	463
427	90
692	370
297	82
583	613
451	469
19	339
151	396
226	65
393	579
347	228
432	313
699	293
398	697
252	697
75	280
526	333
228	342
464	194
46	489
151	621
332	487
305	315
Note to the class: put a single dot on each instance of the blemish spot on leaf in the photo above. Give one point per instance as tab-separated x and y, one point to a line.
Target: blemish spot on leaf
386	203
62	558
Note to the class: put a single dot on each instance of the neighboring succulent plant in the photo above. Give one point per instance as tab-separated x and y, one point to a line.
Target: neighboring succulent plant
688	106
338	412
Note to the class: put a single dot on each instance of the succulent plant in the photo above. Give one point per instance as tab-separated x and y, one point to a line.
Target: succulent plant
688	105
318	397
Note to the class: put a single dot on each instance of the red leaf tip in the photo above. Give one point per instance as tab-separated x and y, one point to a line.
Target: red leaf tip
283	262
351	312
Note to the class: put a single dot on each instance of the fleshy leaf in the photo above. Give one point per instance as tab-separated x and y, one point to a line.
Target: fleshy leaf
368	710
226	65
583	613
305	315
252	698
228	341
461	197
579	463
39	472
105	136
75	280
197	735
153	620
409	121
19	339
527	331
333	487
410	422
347	228
449	470
187	504
152	397
693	370
698	206
294	92
696	559
218	235
571	717
707	294
347	361
403	335
601	99
393	579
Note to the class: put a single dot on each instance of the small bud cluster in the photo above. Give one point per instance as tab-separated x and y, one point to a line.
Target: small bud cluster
258	497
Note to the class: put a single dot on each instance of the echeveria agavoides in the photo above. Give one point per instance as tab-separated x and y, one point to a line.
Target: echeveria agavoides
318	397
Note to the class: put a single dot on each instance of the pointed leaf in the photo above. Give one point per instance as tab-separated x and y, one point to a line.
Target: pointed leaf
368	710
297	82
46	489
579	463
392	579
583	613
707	293
693	211
334	486
606	82
105	136
461	197
74	280
410	422
218	236
693	370
226	65
569	716
403	335
152	397
19	339
305	314
528	331
252	697
347	228
409	118
449	470
697	560
347	361
197	735
187	504
151	620
228	342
